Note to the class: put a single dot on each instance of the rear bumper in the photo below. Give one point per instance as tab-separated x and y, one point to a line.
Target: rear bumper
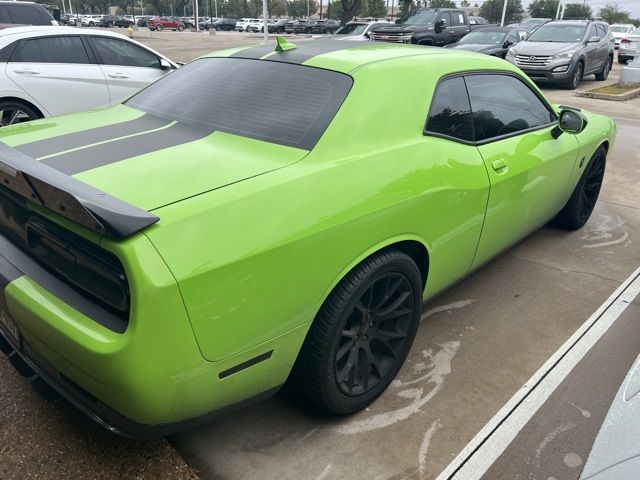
30	365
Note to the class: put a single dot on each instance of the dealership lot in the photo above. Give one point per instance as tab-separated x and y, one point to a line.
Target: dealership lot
477	345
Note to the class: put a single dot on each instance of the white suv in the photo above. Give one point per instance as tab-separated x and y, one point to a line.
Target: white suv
242	25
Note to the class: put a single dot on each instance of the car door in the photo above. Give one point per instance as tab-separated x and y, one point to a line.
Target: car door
603	44
58	73
446	34
592	54
529	170
453	166
127	67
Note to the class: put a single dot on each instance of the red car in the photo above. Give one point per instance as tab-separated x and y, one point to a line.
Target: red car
160	23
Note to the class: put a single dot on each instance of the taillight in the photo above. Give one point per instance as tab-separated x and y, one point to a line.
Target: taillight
625	40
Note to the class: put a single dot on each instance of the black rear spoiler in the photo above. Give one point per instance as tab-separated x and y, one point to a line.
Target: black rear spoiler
69	197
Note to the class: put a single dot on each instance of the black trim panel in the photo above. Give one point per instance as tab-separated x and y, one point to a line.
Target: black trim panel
15	263
100	155
254	52
51	146
244	365
308	51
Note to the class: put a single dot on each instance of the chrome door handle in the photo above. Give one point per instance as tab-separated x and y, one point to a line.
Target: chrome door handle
26	72
117	75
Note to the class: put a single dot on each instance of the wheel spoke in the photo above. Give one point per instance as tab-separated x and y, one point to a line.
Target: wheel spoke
395	305
400	312
345	374
343	350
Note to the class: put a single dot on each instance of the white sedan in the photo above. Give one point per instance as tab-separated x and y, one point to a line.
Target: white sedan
48	71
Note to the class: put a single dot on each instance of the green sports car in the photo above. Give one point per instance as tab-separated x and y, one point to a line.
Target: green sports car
265	216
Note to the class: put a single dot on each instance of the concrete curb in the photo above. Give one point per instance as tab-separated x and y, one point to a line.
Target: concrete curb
635	92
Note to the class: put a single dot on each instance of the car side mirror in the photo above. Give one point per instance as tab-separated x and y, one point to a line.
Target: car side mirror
507	44
594	39
165	65
569	121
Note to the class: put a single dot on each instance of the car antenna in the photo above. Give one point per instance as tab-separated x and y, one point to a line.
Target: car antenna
282	45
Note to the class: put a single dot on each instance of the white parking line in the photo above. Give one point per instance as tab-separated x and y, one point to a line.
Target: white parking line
491	441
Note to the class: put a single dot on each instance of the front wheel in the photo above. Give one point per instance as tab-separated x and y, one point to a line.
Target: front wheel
583	199
361	335
159	28
180	28
622	60
602	76
573	82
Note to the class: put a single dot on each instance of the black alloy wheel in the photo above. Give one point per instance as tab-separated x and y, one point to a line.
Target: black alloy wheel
583	200
362	335
12	113
374	334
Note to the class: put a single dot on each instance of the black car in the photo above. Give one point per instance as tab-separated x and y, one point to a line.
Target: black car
115	21
142	21
304	26
290	26
278	27
491	40
223	24
24	13
430	27
325	26
186	21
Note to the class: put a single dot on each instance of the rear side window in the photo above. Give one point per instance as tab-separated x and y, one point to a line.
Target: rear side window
112	51
276	102
52	50
503	105
457	19
450	113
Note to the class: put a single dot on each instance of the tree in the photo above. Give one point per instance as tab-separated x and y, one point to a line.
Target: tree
577	10
543	8
465	3
441	4
375	9
492	11
611	13
298	8
349	9
335	11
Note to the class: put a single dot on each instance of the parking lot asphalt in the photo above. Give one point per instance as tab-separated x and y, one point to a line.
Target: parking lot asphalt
478	344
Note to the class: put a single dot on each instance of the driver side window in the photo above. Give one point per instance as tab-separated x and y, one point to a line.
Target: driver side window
112	51
503	105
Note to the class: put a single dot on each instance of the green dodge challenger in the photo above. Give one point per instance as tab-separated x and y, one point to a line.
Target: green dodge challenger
265	216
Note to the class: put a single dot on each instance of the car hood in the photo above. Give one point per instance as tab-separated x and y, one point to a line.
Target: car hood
544	48
144	160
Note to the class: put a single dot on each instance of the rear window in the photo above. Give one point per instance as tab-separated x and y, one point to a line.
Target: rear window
276	102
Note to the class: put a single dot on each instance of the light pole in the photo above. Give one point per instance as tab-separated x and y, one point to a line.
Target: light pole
504	13
265	28
558	11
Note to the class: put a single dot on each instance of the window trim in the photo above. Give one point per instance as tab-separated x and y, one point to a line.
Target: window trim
486	141
20	44
98	57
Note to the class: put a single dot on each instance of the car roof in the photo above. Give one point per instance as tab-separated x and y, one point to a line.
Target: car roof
497	28
349	56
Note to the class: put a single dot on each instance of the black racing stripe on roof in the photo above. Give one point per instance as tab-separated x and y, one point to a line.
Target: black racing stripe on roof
254	52
302	52
51	146
117	150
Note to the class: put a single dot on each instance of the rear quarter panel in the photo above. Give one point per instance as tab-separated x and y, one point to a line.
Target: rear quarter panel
257	259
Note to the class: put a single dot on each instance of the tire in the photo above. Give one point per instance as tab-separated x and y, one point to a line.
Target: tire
91	24
23	113
180	27
602	76
580	205
347	360
622	60
159	28
576	76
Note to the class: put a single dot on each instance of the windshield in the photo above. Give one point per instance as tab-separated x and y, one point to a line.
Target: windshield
352	29
532	22
274	102
558	33
619	29
421	18
482	36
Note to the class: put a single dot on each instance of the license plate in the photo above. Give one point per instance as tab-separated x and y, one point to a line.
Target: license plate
10	326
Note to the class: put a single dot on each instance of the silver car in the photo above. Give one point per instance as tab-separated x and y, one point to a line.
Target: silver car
565	51
621	30
628	47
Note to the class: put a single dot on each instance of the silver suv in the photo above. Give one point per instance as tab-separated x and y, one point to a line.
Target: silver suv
564	51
